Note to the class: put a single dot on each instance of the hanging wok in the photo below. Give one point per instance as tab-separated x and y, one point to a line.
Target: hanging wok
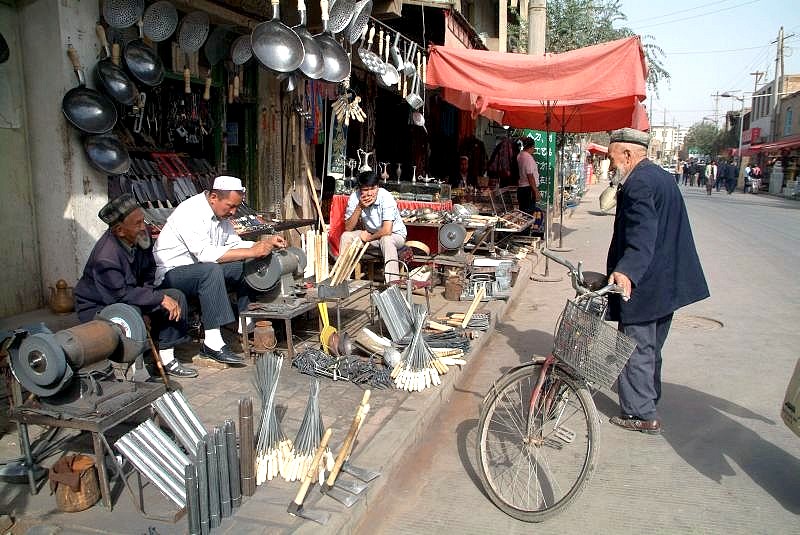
87	110
143	62
111	77
107	154
276	46
337	63
313	65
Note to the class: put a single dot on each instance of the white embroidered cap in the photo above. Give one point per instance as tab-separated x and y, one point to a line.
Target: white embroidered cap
228	183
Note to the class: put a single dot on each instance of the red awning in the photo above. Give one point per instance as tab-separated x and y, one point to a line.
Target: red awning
595	148
788	143
590	89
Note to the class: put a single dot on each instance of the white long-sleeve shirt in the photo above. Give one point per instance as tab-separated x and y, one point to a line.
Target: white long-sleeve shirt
194	234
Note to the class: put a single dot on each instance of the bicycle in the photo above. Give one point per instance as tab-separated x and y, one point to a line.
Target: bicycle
538	428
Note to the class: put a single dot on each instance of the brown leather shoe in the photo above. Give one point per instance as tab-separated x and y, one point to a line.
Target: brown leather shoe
651	427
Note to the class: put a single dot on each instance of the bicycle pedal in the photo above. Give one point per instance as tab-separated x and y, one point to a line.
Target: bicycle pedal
565	434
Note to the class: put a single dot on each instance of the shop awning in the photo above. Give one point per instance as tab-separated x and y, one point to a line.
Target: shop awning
590	89
597	149
792	142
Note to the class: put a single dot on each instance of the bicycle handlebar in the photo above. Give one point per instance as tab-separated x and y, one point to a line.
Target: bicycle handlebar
576	275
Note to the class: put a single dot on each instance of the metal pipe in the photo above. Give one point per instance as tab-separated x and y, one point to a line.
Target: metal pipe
213	482
157	463
166	442
224	476
202	480
147	446
192	499
233	464
146	468
180	432
193	418
182	419
246	456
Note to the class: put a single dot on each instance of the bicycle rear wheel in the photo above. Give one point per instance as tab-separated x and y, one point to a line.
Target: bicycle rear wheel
534	463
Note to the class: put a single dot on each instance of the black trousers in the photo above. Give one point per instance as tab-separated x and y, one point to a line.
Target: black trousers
209	282
639	384
525	198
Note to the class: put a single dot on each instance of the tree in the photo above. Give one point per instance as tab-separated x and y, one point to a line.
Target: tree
703	137
573	24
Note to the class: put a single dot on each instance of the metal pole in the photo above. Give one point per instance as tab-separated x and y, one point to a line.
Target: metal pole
741	131
546	277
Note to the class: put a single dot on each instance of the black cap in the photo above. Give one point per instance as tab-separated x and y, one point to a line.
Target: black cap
117	210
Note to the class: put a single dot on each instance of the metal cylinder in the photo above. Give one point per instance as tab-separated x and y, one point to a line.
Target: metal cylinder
165	409
182	419
193	419
158	477
213	482
157	463
88	343
192	499
164	441
247	447
199	460
149	447
233	464
224	476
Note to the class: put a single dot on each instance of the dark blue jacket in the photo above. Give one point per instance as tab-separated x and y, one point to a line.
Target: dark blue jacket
115	275
654	247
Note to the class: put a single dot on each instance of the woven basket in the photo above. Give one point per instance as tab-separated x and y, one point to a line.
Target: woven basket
70	501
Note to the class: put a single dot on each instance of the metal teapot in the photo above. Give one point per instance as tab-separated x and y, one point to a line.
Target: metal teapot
363	160
62	300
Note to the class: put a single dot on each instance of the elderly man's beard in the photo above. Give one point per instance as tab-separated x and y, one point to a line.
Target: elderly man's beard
621	174
143	240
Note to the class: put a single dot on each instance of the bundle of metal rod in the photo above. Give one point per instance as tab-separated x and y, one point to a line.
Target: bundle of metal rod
247	462
156	462
449	339
201	466
192	500
418	368
212	470
173	408
225	508
273	449
351	368
477	321
395	312
347	262
308	438
233	463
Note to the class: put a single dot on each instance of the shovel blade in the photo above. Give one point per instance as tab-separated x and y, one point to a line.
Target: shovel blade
360	473
353	487
345	498
320	517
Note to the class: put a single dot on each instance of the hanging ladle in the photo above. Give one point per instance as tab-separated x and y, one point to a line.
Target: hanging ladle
390	76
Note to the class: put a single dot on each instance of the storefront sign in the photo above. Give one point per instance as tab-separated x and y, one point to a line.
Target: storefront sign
545	159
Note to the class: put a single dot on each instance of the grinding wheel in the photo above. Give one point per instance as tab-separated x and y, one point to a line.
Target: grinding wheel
452	236
40	365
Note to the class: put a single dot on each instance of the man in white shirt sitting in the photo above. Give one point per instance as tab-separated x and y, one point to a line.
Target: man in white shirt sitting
383	226
199	253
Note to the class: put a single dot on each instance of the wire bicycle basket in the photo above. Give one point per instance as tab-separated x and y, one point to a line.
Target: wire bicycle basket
594	349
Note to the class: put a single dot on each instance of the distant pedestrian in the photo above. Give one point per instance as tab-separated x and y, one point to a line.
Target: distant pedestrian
678	171
686	167
710	176
731	176
722	173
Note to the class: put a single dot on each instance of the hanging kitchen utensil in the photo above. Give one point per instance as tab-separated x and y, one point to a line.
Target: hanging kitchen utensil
110	76
408	65
397	59
341	13
122	13
215	49
192	33
359	21
390	76
160	21
413	98
275	45
371	61
107	154
336	60
88	110
119	38
313	65
143	62
241	52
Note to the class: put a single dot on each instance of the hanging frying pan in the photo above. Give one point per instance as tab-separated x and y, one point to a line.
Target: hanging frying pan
87	110
276	46
107	153
143	62
313	65
337	63
111	77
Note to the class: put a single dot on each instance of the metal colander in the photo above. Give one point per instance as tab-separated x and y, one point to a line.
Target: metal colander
122	13
193	31
160	20
122	36
216	45
361	13
341	13
241	51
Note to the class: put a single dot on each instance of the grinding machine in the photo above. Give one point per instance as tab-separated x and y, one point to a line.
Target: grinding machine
278	277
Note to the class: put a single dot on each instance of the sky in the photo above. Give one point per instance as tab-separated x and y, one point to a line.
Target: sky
712	46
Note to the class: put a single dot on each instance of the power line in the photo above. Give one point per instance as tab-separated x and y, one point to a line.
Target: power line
698	15
682	11
716	51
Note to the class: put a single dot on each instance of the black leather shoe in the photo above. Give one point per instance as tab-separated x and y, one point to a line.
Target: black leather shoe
651	427
224	355
176	369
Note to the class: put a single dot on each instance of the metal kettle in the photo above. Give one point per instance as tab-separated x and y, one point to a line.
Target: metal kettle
62	300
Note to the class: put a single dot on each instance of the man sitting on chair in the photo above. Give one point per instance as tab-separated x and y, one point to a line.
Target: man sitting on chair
383	227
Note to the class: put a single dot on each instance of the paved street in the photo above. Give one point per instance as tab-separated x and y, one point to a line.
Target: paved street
725	462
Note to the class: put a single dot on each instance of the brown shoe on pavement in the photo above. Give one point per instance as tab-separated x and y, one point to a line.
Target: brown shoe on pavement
651	427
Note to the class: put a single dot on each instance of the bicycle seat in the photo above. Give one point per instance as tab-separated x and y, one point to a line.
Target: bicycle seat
594	280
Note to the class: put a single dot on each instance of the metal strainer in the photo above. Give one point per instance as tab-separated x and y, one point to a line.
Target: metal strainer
122	13
160	20
341	13
193	31
217	45
241	51
361	13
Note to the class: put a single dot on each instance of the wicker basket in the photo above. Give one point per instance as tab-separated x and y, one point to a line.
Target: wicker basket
593	348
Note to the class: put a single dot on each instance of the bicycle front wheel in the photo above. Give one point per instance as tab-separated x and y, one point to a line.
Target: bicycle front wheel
534	462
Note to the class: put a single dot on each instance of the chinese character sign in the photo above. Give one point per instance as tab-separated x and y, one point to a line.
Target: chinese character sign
545	158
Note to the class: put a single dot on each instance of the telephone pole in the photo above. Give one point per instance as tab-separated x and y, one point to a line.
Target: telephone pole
716	109
777	87
537	26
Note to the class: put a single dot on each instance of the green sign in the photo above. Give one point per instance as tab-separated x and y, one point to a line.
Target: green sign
545	159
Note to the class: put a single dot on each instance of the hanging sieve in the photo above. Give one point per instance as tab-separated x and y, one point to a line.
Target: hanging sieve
122	13
341	13
160	21
241	52
193	31
217	45
361	13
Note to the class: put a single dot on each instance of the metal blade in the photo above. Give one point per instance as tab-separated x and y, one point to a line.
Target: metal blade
345	498
363	474
320	517
353	487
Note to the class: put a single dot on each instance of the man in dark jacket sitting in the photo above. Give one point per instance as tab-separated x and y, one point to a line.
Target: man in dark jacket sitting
121	269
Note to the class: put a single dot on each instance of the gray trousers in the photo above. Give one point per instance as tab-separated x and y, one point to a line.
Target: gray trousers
209	282
388	245
639	384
